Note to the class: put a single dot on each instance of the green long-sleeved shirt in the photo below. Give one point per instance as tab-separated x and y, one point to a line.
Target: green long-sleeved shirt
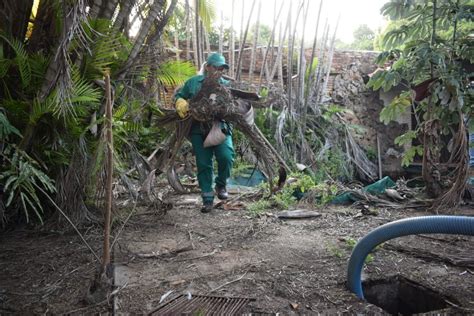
193	85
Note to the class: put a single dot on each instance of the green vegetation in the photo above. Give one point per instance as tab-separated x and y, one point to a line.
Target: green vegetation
347	249
427	46
300	187
52	107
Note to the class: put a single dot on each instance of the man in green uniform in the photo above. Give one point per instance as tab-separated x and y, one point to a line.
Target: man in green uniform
223	152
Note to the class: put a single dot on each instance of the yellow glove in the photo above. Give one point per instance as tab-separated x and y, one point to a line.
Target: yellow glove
182	107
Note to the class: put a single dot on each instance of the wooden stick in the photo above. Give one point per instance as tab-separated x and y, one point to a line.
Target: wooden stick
110	169
227	283
379	157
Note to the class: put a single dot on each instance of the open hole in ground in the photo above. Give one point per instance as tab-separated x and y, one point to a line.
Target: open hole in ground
399	295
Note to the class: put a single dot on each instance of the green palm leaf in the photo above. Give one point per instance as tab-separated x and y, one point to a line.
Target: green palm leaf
175	72
207	13
21	59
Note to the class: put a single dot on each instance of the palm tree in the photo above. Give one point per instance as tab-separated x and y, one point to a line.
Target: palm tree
53	92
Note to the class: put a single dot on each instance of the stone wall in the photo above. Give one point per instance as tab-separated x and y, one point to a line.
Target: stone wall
363	110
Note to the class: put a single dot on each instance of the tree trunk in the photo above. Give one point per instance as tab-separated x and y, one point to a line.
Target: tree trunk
289	61
302	64
278	60
221	34
45	35
107	9
176	44
197	47
95	7
121	22
208	44
242	45
232	43
242	12
109	171
145	28
202	41
329	64
255	42
264	64
321	56
312	71
161	23
188	30
14	18
430	172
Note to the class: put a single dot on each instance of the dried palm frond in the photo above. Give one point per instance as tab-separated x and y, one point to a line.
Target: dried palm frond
460	158
215	102
367	169
59	71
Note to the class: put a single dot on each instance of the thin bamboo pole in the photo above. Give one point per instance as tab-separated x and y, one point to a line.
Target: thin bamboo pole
269	43
197	48
232	42
312	71
205	44
329	65
109	168
221	34
321	54
255	42
176	44
278	60
302	63
188	30
291	47
239	63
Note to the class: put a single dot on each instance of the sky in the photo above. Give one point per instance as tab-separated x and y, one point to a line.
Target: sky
351	13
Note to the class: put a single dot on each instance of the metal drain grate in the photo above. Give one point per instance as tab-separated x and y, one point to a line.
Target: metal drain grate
202	305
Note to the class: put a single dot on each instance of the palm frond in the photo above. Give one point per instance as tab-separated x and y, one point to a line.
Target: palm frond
207	13
175	72
4	62
6	128
40	108
21	59
81	95
109	50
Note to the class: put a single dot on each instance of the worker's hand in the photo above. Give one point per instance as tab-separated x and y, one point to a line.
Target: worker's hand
182	107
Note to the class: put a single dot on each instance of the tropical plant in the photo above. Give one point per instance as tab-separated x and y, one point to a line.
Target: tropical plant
52	94
429	49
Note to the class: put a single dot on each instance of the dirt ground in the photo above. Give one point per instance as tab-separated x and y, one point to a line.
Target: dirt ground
286	266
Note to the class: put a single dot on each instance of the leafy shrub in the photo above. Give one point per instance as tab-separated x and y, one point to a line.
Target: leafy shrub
21	176
257	208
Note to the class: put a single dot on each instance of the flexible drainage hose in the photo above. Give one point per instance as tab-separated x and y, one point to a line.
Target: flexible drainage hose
459	225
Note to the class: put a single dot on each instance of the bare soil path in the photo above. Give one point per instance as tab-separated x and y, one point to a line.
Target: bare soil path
285	266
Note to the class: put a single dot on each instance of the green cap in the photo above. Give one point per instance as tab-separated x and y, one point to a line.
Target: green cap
217	60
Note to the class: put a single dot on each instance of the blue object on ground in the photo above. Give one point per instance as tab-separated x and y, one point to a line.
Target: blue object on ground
374	188
459	225
249	178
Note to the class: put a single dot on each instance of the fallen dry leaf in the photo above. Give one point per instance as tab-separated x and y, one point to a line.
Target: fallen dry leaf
294	305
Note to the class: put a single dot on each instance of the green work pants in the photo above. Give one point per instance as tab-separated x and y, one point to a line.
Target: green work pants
224	154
